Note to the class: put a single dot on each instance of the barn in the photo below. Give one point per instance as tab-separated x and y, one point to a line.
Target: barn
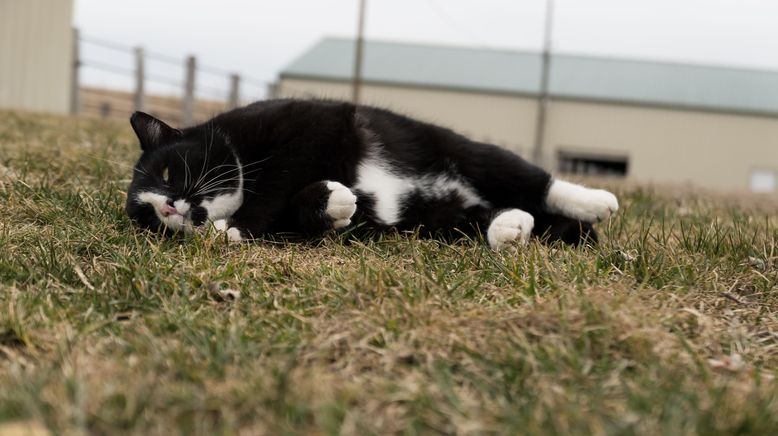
36	55
650	121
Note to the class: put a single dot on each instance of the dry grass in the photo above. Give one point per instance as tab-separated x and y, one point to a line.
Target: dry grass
669	327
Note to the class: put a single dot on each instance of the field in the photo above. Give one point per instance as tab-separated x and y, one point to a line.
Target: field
670	326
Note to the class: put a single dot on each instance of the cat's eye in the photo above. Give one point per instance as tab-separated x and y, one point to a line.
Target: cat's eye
166	175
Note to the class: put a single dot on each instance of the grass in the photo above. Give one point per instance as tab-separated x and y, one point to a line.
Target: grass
669	327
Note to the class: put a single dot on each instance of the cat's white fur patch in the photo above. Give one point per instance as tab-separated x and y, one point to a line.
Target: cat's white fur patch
224	205
182	206
441	185
152	198
376	177
509	226
341	204
581	203
174	222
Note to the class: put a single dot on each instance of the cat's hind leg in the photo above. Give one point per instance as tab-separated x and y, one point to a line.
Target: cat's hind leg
579	202
509	226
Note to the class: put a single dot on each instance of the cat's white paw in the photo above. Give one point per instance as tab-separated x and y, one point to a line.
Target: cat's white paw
234	235
341	205
601	204
581	203
511	225
220	225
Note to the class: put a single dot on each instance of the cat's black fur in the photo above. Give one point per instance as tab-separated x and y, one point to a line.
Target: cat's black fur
289	148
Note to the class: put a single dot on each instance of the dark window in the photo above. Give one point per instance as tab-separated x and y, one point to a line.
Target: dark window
592	164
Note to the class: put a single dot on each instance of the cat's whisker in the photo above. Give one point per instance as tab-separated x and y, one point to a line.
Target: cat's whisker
252	164
244	190
203	177
221	181
222	178
205	161
203	182
142	170
188	185
218	189
186	171
230	171
217	184
188	180
230	168
208	188
202	170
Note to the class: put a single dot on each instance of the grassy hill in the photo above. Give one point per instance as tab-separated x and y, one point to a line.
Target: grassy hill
669	327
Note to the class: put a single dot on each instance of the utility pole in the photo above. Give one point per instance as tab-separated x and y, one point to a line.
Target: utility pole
544	98
356	80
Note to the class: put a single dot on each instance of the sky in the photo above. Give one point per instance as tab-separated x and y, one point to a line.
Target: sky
258	38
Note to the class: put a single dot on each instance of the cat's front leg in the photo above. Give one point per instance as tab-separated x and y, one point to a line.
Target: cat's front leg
234	234
579	202
316	209
323	206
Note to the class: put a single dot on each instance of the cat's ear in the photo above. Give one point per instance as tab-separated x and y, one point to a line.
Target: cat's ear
152	132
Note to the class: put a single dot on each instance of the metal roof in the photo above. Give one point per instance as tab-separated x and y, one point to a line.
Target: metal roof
573	77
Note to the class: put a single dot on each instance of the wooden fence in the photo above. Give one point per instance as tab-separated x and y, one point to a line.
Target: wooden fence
182	108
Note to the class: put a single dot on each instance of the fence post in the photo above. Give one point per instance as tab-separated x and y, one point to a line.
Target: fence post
187	103
140	74
234	99
75	98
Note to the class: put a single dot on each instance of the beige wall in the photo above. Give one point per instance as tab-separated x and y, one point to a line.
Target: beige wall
707	149
36	54
663	145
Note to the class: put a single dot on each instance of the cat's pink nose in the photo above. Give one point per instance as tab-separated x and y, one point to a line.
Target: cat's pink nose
168	210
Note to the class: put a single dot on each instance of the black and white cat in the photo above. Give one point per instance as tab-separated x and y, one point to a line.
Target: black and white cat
307	167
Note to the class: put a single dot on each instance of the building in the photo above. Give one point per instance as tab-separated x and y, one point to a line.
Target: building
36	55
650	121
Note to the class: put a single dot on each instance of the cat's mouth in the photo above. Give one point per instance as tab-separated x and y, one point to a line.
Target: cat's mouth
178	222
174	219
180	215
175	215
168	210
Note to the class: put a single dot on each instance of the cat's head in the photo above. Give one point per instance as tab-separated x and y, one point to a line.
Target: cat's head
182	180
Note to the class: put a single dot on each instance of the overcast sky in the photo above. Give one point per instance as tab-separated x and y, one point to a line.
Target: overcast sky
258	38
